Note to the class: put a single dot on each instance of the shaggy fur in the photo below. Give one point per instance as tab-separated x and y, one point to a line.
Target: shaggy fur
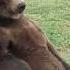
8	61
12	63
28	42
31	45
25	40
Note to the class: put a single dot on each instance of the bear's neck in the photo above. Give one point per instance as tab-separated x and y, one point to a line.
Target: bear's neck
4	21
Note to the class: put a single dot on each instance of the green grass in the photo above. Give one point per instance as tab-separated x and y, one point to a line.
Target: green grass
53	16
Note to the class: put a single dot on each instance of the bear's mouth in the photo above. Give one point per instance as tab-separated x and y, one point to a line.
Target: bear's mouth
6	21
17	10
11	18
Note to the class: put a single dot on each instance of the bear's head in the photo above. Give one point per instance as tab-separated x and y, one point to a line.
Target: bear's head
12	8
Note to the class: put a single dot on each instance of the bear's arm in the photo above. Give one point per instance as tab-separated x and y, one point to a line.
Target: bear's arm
9	62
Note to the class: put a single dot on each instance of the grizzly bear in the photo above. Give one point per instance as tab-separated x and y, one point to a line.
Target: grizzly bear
25	40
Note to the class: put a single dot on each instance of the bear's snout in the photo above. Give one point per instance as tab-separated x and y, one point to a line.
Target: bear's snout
21	7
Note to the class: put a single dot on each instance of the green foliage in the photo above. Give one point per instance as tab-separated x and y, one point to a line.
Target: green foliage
53	16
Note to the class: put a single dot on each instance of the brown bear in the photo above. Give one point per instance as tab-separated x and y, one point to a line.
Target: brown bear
25	40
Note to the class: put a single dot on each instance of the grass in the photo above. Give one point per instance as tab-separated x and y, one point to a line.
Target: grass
53	16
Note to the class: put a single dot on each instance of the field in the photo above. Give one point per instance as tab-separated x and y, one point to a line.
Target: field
53	17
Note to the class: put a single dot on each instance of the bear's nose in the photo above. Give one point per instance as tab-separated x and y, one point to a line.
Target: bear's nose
21	7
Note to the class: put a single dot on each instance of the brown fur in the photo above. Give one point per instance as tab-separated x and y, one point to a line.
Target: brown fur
29	43
12	63
8	61
24	39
